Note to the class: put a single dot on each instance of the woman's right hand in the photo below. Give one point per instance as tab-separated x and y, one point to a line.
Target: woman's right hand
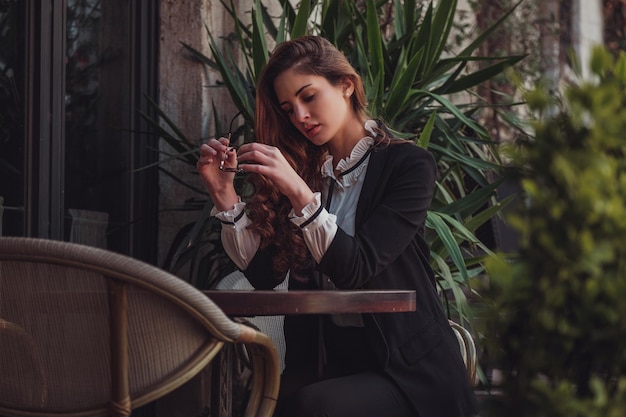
218	183
270	162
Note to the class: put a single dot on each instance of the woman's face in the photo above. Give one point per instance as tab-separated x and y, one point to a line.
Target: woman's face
318	109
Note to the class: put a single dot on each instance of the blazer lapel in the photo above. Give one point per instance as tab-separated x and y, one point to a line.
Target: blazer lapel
375	173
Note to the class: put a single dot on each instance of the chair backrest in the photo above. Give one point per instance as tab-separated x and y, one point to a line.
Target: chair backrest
270	325
85	331
468	349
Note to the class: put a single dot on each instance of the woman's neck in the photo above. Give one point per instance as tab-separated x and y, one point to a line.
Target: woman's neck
341	147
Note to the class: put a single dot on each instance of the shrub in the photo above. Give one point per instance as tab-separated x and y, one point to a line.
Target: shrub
557	322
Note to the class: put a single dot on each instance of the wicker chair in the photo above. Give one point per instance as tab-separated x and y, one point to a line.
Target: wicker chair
87	332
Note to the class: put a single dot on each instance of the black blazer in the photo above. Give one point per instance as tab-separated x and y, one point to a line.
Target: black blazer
418	349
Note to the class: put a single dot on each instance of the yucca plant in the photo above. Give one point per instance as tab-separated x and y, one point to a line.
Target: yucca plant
408	74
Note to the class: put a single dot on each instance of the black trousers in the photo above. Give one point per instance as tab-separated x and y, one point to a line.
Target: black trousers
365	394
347	385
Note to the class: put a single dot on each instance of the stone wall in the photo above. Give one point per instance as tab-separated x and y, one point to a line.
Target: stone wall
185	97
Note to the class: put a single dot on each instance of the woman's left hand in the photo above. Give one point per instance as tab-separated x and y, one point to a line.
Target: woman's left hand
269	161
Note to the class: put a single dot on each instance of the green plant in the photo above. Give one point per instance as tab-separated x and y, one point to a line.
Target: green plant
400	50
558	317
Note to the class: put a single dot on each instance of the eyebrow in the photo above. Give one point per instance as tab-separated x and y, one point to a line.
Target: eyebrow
297	92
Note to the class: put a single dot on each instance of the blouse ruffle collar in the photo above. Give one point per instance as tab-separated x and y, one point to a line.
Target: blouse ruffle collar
345	164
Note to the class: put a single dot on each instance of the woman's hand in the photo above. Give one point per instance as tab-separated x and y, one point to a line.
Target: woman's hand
218	183
269	161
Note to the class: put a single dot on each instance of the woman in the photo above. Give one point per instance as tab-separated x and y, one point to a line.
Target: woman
337	202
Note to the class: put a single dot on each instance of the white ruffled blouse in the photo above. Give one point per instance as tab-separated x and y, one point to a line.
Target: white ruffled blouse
241	244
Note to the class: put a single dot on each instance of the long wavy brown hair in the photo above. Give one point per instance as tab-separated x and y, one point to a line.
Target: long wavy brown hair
267	208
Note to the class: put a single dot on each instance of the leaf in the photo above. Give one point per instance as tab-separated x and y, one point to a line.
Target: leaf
375	46
199	56
456	112
468	50
442	24
435	222
401	89
424	39
424	138
469	204
300	26
446	275
483	217
260	53
480	76
233	79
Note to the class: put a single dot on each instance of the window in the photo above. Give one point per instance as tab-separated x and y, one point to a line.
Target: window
73	80
11	116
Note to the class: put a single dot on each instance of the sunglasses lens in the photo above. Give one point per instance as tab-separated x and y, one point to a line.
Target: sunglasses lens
225	158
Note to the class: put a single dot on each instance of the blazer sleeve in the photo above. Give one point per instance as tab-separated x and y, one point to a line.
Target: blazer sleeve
260	272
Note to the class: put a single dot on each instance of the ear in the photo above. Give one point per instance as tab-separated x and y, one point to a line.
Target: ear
347	86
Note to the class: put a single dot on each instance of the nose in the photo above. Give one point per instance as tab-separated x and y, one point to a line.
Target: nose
300	114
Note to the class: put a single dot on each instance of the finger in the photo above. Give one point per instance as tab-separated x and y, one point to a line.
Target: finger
254	152
204	165
204	161
250	157
207	151
218	145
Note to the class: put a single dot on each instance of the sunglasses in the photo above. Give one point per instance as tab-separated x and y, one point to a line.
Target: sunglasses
230	149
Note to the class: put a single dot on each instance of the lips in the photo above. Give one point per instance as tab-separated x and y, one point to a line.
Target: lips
312	130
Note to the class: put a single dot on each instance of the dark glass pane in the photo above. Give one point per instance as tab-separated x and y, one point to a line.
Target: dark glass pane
12	47
97	105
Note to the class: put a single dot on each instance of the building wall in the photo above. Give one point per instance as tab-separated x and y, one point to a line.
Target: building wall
587	30
186	99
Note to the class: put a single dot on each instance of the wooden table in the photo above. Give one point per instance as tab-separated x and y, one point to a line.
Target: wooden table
247	303
250	303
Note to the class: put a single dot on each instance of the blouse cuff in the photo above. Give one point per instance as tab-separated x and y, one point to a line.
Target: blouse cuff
239	242
310	212
232	216
318	227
